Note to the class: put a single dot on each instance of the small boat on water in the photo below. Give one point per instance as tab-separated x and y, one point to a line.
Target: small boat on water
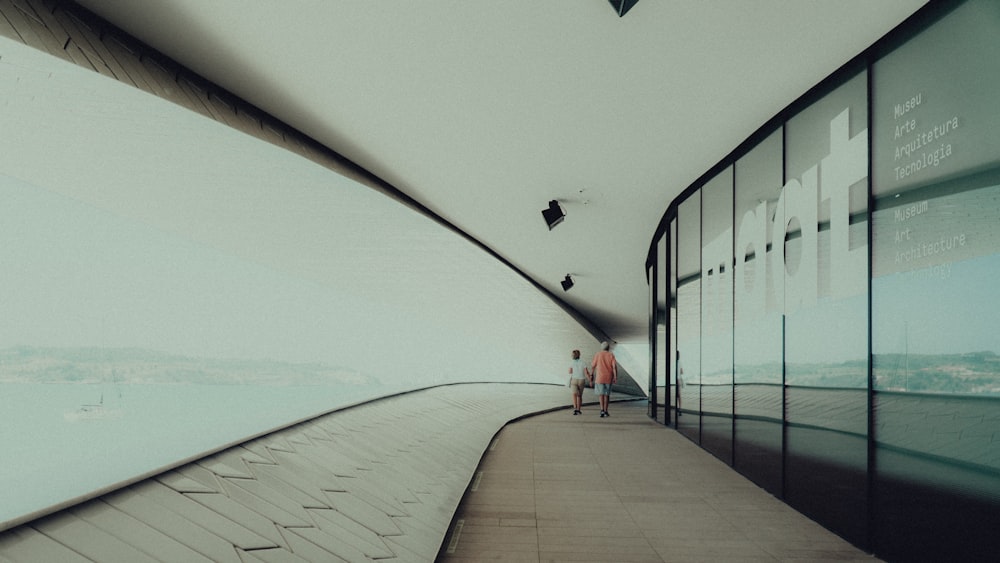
94	411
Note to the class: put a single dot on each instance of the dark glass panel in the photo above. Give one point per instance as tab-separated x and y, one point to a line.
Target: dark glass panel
934	102
673	356
935	265
717	315
688	358
823	210
757	339
661	354
826	479
821	218
758	447
928	509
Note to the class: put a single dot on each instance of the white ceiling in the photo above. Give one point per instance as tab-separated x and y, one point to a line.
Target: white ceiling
484	111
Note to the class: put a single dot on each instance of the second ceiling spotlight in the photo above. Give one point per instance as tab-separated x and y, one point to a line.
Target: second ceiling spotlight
567	283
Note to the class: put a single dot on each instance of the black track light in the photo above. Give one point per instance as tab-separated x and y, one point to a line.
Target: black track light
567	283
554	214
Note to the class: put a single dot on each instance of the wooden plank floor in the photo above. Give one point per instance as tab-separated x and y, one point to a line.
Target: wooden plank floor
558	487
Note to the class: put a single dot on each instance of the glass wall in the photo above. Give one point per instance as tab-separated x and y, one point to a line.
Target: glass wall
758	372
822	215
935	266
673	355
836	297
717	315
659	390
688	332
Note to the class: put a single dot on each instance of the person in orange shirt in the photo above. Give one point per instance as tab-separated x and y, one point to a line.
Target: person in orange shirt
604	374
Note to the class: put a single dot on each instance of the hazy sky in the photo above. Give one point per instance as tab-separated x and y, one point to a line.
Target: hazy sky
952	309
129	221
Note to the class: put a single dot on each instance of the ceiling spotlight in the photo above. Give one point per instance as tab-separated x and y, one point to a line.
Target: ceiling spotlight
554	214
567	283
622	6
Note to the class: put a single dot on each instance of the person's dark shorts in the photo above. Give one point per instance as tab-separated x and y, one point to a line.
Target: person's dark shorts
602	388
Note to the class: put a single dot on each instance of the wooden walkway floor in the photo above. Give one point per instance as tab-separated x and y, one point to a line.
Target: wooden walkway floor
558	487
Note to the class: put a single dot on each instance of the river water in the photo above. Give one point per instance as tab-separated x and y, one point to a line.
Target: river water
50	455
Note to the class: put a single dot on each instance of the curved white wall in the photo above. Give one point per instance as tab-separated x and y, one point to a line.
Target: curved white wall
201	285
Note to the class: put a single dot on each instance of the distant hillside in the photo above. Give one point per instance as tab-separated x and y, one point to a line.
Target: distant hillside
976	373
25	364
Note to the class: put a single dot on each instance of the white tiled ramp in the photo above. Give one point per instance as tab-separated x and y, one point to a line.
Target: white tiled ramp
380	481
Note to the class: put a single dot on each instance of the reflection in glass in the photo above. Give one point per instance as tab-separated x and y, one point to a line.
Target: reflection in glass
660	331
821	221
717	315
881	426
673	357
823	210
934	312
934	303
757	339
934	103
757	310
688	357
935	266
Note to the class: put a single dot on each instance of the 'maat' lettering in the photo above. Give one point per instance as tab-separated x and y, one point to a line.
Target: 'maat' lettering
828	183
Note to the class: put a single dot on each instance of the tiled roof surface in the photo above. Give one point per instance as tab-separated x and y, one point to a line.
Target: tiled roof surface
377	481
